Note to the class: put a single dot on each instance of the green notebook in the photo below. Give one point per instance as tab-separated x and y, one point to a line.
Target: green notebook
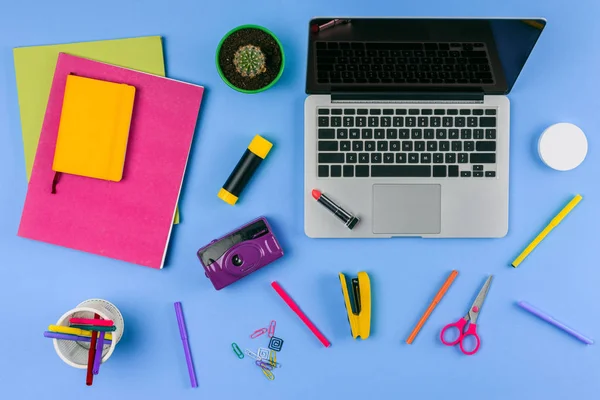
34	67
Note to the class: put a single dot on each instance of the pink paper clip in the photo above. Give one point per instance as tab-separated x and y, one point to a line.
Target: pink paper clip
258	332
272	328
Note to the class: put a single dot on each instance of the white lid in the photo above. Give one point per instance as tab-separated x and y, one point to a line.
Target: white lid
563	146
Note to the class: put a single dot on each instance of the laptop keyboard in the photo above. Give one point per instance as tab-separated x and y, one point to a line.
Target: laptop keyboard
403	63
401	142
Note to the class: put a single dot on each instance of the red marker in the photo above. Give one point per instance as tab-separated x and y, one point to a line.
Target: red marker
348	219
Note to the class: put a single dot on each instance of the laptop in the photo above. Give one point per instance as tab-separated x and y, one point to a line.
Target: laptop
407	124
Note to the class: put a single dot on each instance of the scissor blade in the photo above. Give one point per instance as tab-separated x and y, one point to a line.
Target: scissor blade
478	303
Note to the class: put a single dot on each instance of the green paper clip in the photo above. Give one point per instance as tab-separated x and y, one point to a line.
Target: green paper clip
238	352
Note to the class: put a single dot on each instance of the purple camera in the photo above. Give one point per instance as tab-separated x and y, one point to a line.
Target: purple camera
239	253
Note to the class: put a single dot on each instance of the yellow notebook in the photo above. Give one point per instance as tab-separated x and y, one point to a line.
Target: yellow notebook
94	128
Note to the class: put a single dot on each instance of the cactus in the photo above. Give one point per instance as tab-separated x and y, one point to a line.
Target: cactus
249	61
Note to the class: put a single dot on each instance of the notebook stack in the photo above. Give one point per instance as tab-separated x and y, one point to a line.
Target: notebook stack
106	154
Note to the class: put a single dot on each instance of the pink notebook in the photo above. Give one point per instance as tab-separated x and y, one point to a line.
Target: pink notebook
129	220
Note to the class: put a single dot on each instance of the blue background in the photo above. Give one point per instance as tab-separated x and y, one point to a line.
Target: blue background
520	358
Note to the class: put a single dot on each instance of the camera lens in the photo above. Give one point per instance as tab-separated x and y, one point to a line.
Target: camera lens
237	260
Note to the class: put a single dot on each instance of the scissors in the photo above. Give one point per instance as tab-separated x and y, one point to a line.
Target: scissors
470	317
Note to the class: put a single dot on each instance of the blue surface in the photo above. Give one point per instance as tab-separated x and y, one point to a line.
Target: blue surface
520	357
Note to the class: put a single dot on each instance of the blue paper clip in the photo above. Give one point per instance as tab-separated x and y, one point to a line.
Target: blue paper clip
237	350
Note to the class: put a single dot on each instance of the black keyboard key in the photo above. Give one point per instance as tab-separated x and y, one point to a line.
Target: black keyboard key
362	111
386	121
426	112
419	145
383	171
411	122
432	146
323	111
463	158
375	111
342	133
469	145
423	121
370	145
345	145
452	112
425	158
478	174
382	145
477	134
351	158
438	158
490	174
450	158
428	134
478	112
448	122
373	121
444	145
349	111
323	171
416	134
435	122
465	174
401	158
348	121
407	146
465	112
490	112
477	167
363	158
459	122
453	170
392	134
441	134
348	171
485	146
336	121
439	111
465	134
388	111
471	122
325	145
331	158
323	121
336	171
400	111
388	158
379	133
362	171
375	158
487	122
354	133
367	133
482	158
490	134
413	111
439	171
457	145
357	145
361	121
336	111
395	145
413	158
326	133
453	134
398	121
403	134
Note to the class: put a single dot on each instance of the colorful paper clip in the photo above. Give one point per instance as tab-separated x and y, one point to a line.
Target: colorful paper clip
238	352
252	354
272	328
264	364
273	357
258	332
268	374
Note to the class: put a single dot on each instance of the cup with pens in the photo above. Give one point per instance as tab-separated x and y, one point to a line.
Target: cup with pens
87	335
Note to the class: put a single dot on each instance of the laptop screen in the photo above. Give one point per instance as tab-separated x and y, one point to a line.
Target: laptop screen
418	54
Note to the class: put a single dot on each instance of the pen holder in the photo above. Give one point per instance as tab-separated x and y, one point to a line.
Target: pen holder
76	353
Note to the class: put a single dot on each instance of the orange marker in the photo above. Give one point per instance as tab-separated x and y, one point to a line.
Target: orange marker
438	297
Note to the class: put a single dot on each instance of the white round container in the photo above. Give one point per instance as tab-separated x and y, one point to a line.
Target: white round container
76	353
562	146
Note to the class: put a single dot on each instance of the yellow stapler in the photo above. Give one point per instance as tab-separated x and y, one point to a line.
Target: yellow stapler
357	299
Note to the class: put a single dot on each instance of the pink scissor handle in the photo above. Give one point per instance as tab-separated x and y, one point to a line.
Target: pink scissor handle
460	325
471	331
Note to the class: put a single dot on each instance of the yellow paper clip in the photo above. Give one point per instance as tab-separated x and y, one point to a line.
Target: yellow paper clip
357	299
268	374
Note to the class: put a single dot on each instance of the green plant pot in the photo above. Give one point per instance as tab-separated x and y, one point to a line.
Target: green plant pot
231	85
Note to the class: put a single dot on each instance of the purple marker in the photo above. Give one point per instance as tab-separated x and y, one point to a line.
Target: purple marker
75	338
538	313
98	357
186	344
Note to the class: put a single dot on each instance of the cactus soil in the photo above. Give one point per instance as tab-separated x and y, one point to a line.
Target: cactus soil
256	37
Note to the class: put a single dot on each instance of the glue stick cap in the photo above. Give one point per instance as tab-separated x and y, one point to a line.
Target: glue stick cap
227	197
260	146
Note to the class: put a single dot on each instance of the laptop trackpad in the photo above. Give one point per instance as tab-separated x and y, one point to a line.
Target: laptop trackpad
406	209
